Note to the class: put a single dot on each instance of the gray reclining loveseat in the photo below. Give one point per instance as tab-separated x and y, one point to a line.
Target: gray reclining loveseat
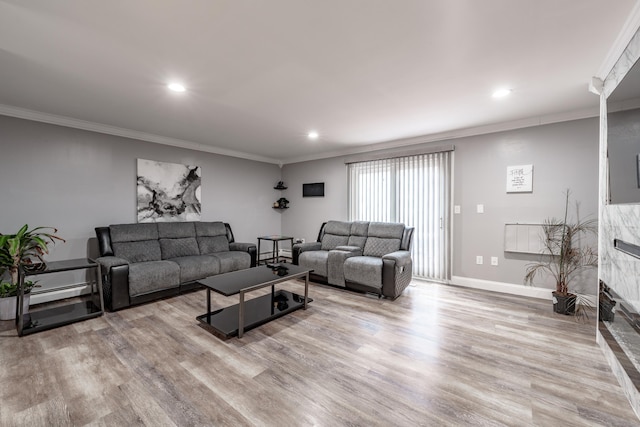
363	256
147	261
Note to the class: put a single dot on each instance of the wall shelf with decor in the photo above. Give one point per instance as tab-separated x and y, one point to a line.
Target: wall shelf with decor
282	202
280	186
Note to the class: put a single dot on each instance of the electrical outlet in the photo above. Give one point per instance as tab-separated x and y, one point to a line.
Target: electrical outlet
456	209
494	260
479	260
480	208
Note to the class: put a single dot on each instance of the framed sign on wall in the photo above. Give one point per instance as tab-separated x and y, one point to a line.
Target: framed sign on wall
520	179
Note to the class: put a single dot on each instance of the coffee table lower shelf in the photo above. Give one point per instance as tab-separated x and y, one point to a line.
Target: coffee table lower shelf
258	311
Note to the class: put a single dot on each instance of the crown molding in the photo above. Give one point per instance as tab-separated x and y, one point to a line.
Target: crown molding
23	113
629	29
454	134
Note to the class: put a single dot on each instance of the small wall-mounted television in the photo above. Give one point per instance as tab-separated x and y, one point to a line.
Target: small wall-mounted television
313	190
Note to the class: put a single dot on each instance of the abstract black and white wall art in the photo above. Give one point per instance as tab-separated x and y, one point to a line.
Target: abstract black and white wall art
168	192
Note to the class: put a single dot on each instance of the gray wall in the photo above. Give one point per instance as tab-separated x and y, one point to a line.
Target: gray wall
564	155
76	180
306	214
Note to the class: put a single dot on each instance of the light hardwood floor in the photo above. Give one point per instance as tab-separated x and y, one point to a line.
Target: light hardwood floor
438	355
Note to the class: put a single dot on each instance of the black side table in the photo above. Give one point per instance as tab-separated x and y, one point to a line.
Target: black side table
275	250
53	317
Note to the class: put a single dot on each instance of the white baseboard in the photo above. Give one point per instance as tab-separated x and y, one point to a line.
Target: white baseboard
285	253
506	288
62	293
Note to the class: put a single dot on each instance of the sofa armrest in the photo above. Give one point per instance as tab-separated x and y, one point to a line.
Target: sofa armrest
106	262
298	248
115	283
244	247
250	248
396	273
401	258
353	249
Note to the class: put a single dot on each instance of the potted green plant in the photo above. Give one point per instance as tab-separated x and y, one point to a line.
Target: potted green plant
564	257
23	249
9	298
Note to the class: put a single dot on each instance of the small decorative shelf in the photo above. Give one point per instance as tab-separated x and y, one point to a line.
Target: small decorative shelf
280	188
281	203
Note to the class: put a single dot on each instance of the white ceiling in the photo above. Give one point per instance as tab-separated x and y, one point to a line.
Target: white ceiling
261	74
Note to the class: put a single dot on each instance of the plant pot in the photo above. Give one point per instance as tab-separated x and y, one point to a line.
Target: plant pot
564	304
8	307
607	309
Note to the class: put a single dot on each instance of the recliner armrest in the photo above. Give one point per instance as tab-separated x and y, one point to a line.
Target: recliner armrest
115	283
244	247
106	262
250	248
298	248
401	258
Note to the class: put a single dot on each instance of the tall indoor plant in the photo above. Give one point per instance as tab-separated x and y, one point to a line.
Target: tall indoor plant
24	248
564	257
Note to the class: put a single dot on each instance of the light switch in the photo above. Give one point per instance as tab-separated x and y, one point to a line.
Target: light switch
480	208
494	260
456	209
479	260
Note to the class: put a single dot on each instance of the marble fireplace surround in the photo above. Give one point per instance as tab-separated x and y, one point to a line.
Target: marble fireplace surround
619	340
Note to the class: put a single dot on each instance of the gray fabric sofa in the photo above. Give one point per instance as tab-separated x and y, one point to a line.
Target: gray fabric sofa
147	261
363	256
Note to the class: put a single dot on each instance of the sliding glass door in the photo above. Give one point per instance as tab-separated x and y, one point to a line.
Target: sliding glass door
414	190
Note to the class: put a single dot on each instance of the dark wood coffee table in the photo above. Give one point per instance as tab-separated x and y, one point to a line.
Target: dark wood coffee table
248	314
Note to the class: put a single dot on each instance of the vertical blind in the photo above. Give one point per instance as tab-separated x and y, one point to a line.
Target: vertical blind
414	190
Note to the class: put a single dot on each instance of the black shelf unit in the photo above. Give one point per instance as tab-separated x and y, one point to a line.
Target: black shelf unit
60	315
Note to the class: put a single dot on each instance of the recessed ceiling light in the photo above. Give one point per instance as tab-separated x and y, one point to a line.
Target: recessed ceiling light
501	93
313	135
176	87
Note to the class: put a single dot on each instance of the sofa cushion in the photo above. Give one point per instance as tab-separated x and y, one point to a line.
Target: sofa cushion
359	228
364	270
133	232
233	260
173	230
139	251
197	267
145	277
316	260
210	229
376	246
173	248
335	233
331	241
342	228
209	245
387	230
358	241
